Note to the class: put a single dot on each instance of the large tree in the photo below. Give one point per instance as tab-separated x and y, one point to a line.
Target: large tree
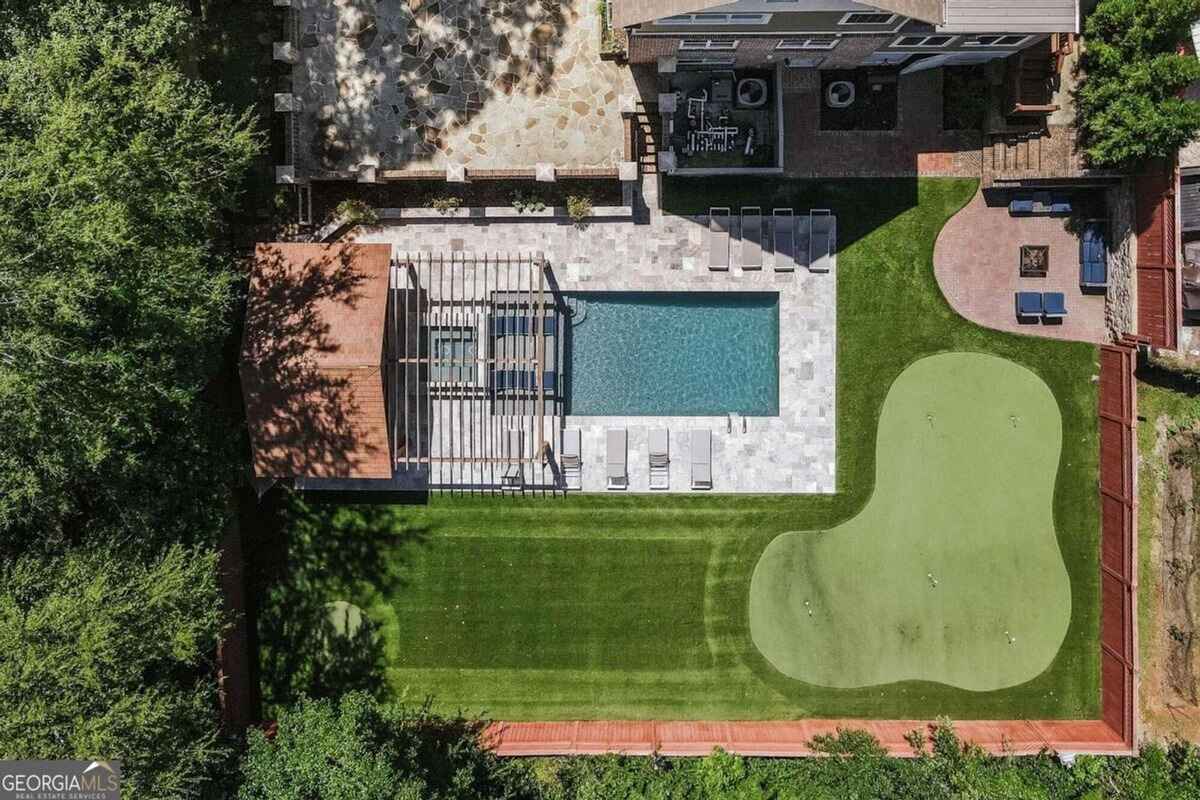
103	656
1129	102
357	749
114	299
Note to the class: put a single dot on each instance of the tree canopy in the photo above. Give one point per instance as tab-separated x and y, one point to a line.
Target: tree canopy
114	299
1129	102
104	657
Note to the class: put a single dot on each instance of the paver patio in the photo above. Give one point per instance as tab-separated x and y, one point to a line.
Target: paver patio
415	85
976	262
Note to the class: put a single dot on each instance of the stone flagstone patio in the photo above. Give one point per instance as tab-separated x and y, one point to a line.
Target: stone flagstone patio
422	84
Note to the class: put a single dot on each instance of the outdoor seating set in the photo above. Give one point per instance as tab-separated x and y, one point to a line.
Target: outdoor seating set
522	380
616	459
705	137
1190	275
1046	306
808	240
1040	204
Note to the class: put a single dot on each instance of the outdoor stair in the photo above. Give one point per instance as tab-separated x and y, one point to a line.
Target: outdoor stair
1015	153
648	132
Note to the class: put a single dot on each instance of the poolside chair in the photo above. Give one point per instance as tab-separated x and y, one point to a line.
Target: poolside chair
718	238
784	243
1020	206
571	460
1054	306
513	477
751	256
822	243
660	459
1093	256
617	458
702	459
1029	306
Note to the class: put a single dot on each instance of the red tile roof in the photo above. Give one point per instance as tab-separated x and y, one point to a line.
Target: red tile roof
311	363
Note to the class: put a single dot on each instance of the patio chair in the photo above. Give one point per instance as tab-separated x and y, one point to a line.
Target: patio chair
660	459
571	459
701	459
1029	306
784	239
822	243
1060	205
617	458
513	476
1093	256
751	257
718	238
1020	206
1054	305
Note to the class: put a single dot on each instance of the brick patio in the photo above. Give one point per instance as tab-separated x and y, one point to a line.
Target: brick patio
918	145
976	263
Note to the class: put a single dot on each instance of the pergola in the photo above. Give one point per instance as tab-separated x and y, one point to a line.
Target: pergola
474	362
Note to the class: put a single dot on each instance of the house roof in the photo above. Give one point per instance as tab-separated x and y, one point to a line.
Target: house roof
924	10
635	12
1011	16
311	361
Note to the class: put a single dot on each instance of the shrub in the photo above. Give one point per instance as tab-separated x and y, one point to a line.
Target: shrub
356	212
579	208
446	205
1129	100
524	202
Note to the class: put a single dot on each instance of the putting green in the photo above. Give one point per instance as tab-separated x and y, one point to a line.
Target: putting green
952	573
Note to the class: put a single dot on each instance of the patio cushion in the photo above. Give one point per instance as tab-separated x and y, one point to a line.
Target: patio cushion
1093	256
1054	304
1061	204
1029	304
1021	205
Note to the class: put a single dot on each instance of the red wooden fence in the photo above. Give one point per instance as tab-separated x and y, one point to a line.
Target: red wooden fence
1155	229
1118	501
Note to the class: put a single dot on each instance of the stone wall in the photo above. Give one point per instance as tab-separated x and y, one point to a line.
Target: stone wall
1122	256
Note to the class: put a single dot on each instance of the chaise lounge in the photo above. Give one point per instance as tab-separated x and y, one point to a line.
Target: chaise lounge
660	459
822	256
571	460
617	459
784	244
513	477
751	256
718	238
701	459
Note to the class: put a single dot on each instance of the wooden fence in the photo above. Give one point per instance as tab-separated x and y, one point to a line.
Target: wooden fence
1118	544
1157	317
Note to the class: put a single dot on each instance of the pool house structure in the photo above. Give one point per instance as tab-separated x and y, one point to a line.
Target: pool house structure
367	370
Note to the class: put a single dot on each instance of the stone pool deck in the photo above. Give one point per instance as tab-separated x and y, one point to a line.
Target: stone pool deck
416	85
790	453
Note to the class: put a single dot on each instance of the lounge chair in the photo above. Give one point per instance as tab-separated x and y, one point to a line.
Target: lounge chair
751	257
513	476
571	460
1093	256
660	459
1020	206
510	325
718	238
701	459
822	243
616	458
1054	305
1029	306
785	239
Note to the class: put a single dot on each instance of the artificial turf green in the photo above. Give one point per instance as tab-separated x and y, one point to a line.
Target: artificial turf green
890	314
952	572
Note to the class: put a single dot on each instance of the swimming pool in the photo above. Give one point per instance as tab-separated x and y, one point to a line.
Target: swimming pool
673	353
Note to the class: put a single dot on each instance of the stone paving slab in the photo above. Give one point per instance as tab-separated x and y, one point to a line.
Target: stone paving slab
789	453
422	84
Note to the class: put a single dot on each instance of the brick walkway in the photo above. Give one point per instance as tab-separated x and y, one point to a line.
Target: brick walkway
976	263
1017	737
918	146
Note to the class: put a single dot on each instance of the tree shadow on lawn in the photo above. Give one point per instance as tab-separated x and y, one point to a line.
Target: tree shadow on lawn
307	570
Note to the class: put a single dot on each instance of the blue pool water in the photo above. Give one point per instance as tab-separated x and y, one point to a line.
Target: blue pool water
673	353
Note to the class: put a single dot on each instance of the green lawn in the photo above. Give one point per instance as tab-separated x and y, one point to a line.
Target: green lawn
952	572
637	607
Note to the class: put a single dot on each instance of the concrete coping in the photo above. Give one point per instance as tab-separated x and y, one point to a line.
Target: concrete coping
496	212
